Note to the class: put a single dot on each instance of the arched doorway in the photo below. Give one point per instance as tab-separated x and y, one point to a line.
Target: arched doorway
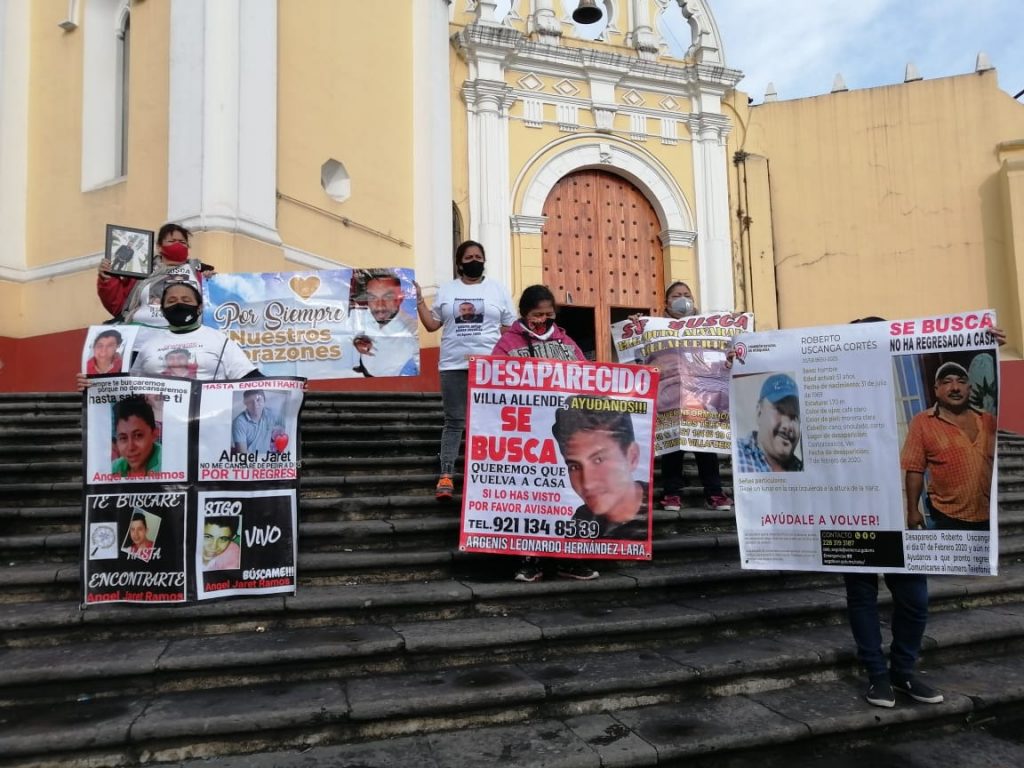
602	255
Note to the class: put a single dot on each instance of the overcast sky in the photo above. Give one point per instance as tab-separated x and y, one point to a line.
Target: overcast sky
800	45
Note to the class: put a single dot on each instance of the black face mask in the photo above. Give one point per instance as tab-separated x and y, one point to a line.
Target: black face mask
179	315
472	269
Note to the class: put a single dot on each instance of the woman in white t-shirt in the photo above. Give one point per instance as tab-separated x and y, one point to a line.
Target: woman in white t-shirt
187	347
473	312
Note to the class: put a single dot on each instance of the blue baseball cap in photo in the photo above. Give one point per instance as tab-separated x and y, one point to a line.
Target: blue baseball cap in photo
778	387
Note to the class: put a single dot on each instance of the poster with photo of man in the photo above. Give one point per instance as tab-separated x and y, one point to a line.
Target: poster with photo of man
869	446
248	430
136	430
558	459
105	349
382	318
134	548
246	543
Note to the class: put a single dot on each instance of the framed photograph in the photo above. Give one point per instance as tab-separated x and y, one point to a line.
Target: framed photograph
129	251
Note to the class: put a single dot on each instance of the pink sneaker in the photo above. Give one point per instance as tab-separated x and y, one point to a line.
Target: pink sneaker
671	503
719	502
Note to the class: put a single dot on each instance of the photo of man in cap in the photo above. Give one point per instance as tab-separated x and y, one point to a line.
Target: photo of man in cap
772	447
955	444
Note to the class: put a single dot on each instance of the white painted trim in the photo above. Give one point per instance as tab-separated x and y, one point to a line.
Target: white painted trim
677	237
528	225
90	261
100	85
312	260
432	143
15	29
595	150
223	66
87	263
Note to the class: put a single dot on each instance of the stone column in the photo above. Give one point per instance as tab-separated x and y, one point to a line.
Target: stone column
15	18
487	104
642	34
432	144
546	27
222	131
710	173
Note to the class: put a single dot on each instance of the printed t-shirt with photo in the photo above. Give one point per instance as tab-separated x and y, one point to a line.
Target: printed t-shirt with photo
470	333
148	312
212	354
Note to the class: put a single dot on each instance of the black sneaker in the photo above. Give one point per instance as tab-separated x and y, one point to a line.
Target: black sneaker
917	690
574	569
880	694
529	570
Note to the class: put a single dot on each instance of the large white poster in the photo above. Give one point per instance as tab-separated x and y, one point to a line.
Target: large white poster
868	447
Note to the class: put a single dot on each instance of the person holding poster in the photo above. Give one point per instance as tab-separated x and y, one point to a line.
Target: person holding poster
385	335
135	435
127	299
464	333
535	334
679	303
104	353
955	444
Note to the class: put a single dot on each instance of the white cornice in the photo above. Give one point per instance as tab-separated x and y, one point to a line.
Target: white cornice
528	225
677	237
89	262
310	260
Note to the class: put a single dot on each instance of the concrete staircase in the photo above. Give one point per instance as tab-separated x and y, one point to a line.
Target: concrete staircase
400	651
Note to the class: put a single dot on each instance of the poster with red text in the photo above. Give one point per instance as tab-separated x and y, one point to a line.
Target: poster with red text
868	447
693	394
558	459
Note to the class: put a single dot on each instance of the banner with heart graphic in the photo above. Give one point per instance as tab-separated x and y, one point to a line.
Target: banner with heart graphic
331	324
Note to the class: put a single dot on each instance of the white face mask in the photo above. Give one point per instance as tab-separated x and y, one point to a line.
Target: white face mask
682	306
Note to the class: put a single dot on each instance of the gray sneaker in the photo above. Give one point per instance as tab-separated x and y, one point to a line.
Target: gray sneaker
917	690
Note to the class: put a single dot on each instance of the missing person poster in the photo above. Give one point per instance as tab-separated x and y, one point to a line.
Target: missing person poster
106	347
868	447
169	461
331	324
246	543
689	353
135	547
248	430
558	459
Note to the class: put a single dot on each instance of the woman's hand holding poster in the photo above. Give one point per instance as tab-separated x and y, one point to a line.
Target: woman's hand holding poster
190	488
868	447
690	354
558	458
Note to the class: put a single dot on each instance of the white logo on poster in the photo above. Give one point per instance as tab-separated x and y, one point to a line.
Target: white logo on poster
103	541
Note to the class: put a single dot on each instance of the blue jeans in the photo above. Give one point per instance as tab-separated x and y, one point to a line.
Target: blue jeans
454	385
672	481
909	617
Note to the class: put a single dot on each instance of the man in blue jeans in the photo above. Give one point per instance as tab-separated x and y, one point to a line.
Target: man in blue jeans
909	618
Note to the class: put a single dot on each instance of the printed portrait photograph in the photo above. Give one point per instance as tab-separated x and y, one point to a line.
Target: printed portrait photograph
946	413
766	423
258	423
140	538
129	251
691	379
136	437
468	312
104	349
383	323
222	543
607	460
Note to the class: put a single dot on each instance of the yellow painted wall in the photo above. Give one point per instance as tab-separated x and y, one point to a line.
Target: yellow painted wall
885	201
345	94
62	222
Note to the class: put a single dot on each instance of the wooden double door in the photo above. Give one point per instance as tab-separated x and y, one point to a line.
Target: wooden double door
602	256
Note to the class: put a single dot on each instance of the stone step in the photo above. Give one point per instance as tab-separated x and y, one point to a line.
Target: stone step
772	690
626	599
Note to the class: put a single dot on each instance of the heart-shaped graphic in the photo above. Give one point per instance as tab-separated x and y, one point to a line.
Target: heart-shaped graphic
304	287
280	442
